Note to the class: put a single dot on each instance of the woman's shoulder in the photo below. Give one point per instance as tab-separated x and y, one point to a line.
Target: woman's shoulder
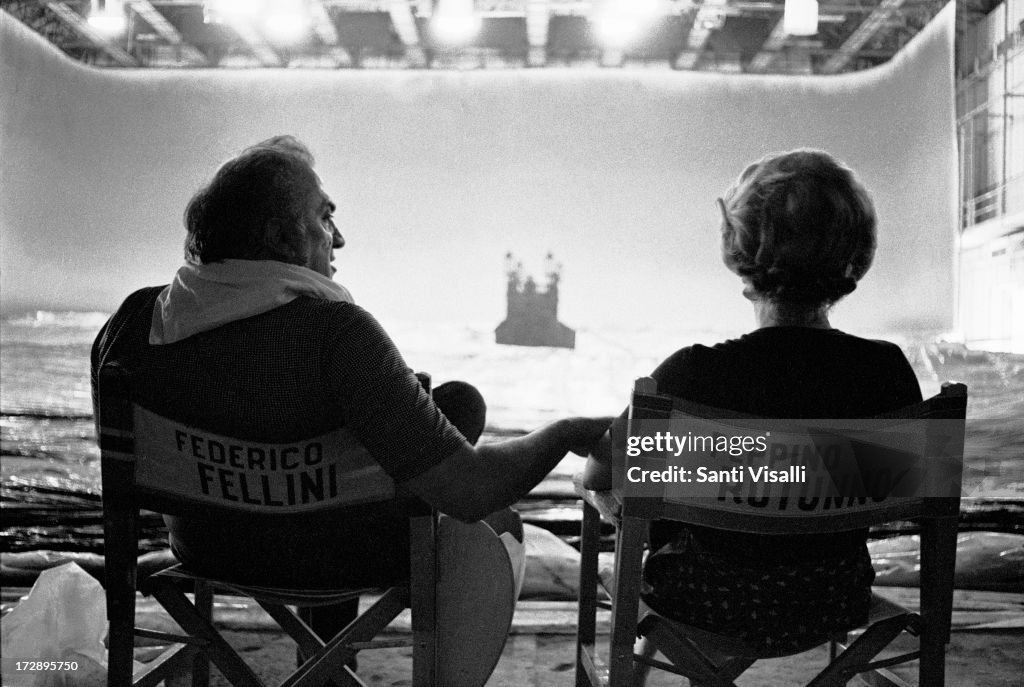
693	370
795	338
694	355
879	347
785	341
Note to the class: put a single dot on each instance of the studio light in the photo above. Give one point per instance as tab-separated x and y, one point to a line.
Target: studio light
616	31
800	17
455	21
107	18
287	21
618	22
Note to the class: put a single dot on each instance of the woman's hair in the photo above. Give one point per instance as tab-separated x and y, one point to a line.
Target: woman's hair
799	227
228	217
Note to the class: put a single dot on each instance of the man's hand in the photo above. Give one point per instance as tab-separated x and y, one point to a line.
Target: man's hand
476	481
584	433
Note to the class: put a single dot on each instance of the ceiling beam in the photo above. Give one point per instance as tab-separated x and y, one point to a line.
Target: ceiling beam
754	7
79	25
35	16
867	29
709	17
259	46
327	32
538	17
769	49
405	25
166	30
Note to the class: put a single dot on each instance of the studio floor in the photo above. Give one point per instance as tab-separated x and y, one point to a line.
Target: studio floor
541	649
990	659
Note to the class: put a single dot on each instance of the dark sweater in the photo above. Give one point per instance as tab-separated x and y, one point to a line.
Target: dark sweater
299	370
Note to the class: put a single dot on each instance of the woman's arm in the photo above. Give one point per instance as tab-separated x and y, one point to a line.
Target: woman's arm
597	475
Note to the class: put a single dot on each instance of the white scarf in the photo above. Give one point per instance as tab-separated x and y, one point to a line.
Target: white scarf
203	297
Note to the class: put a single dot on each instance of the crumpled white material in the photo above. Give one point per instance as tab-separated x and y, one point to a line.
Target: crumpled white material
204	297
63	618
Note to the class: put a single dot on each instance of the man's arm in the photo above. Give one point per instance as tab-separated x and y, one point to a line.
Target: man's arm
476	481
389	412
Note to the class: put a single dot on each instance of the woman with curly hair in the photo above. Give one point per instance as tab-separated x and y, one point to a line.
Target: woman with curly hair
799	230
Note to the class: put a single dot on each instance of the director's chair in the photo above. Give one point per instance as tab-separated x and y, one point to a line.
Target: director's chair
142	467
712	660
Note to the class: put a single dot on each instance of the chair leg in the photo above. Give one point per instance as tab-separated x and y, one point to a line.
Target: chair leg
682	654
932	669
172	668
625	607
938	551
220	652
646	649
325	665
422	599
590	536
121	635
862	651
204	605
120	541
297	627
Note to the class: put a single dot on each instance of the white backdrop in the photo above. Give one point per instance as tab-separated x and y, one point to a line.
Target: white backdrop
438	174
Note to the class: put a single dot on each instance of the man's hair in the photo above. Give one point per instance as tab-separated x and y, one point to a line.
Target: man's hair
227	218
800	227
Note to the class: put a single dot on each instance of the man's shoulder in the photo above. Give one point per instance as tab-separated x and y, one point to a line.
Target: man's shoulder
324	320
321	310
133	315
306	303
143	294
132	306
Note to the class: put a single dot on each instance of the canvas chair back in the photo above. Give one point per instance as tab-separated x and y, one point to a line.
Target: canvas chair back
910	465
930	444
170	467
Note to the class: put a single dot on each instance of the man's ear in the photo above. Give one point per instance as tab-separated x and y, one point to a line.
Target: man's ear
281	240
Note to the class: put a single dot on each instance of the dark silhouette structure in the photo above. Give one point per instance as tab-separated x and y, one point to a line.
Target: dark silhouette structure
532	318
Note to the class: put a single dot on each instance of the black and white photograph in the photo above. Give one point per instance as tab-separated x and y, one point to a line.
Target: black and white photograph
541	343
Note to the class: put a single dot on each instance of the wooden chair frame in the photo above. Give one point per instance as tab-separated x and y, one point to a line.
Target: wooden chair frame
190	653
688	648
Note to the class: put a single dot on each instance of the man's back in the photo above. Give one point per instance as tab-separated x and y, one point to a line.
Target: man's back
296	371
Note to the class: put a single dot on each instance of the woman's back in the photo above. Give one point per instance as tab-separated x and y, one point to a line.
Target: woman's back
788	372
793	372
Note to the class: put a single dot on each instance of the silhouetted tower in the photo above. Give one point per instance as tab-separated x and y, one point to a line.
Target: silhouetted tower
532	317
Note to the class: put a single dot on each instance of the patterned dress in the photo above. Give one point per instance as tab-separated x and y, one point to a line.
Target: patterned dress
775	608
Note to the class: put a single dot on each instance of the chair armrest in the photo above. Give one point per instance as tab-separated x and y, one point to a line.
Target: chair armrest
607	503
